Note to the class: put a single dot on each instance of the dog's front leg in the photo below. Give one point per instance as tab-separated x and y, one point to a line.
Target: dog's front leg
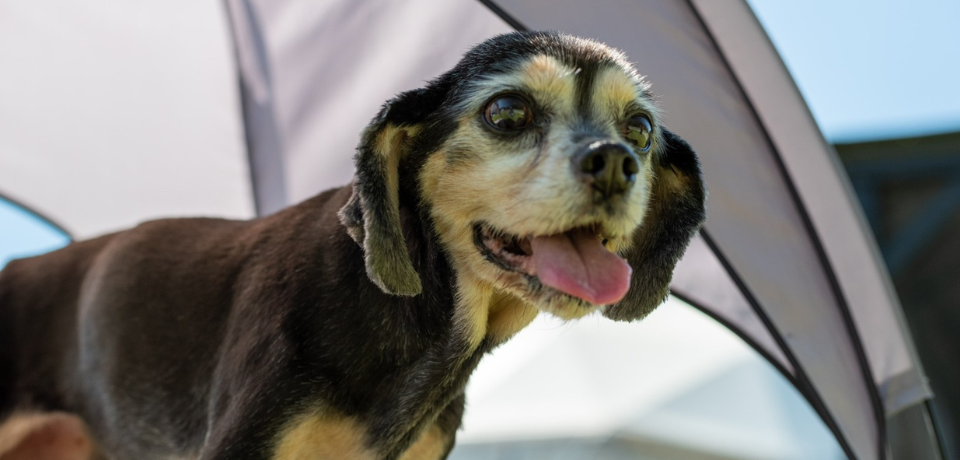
261	431
436	441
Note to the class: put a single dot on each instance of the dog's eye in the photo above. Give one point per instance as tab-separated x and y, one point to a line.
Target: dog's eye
639	131
508	113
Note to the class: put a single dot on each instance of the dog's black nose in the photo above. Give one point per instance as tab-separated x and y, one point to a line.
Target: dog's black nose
609	167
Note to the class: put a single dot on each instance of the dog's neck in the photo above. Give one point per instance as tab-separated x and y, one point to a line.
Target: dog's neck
478	318
484	314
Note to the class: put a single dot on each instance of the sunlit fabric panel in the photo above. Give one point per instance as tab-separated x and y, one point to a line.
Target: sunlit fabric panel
115	112
824	190
701	280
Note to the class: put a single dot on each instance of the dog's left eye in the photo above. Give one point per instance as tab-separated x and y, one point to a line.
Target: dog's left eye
639	131
508	113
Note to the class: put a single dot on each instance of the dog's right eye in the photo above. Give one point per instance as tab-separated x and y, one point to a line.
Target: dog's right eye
508	113
639	131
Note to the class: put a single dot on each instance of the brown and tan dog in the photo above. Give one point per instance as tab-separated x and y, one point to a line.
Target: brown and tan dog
534	176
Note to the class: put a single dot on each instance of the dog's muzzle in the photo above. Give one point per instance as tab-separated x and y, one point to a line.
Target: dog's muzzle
575	262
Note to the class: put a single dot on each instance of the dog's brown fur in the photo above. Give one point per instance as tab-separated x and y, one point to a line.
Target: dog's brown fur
346	326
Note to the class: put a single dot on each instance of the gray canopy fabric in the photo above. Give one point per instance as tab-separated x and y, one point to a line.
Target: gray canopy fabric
784	259
105	119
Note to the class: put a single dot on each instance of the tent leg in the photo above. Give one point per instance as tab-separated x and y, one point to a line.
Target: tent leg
911	435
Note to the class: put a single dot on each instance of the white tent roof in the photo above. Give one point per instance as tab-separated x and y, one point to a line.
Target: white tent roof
112	112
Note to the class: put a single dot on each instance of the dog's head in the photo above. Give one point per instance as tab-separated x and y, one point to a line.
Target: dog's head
541	163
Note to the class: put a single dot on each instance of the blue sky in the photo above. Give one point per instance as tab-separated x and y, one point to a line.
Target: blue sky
21	234
870	69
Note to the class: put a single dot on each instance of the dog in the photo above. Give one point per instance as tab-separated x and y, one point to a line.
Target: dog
535	176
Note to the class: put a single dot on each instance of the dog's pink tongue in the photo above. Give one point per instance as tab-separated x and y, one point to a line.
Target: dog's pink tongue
576	263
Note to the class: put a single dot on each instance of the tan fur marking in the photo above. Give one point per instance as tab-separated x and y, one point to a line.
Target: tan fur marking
431	446
389	143
669	181
473	307
549	79
430	174
323	437
508	315
614	89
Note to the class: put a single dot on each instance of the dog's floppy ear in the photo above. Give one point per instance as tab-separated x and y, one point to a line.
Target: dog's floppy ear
372	214
674	215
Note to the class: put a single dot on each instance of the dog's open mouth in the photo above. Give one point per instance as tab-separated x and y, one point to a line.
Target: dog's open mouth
574	262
